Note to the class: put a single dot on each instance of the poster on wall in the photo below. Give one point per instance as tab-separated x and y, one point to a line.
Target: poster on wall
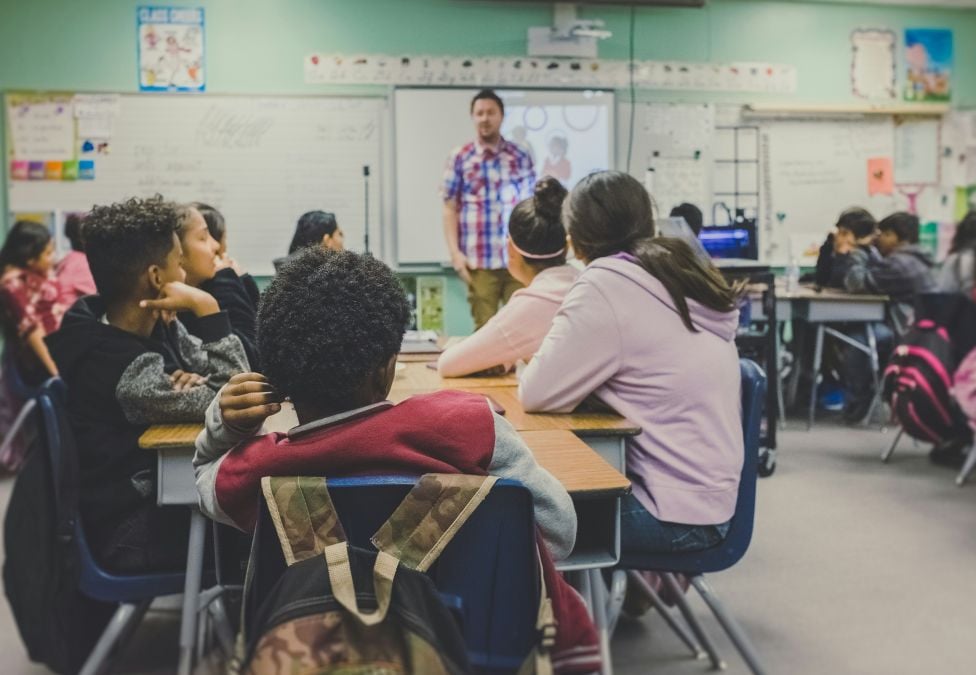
171	49
873	64
928	59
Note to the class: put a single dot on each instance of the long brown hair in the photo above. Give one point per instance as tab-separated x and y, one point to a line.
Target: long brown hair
609	212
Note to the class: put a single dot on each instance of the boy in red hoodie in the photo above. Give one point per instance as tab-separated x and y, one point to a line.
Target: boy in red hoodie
329	330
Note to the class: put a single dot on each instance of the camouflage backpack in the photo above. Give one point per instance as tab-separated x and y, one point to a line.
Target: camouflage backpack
342	609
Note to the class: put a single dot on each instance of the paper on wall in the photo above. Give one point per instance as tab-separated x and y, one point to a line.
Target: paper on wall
873	64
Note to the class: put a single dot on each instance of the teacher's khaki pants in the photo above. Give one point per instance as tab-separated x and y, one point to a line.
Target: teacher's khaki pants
487	290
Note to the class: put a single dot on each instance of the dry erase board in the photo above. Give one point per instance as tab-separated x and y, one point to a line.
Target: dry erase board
430	122
262	161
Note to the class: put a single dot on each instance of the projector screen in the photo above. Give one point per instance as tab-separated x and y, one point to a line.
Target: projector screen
568	134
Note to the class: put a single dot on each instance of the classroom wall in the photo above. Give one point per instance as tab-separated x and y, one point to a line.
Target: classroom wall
257	46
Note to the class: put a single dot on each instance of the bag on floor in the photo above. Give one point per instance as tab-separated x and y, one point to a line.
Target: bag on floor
338	608
57	624
917	384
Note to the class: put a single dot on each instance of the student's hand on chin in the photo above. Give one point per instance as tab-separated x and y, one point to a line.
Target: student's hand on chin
176	296
247	400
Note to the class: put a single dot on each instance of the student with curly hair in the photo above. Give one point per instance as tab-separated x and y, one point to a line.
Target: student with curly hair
129	364
329	329
537	259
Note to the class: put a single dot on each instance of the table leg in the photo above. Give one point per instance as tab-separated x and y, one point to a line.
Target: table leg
191	590
815	375
778	348
875	372
598	593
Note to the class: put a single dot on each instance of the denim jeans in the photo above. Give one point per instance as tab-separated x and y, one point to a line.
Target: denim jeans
858	380
641	532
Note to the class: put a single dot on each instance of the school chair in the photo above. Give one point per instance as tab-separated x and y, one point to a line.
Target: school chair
132	592
698	563
12	379
487	574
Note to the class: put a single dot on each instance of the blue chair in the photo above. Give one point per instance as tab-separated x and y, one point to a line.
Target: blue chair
21	391
133	593
733	547
488	574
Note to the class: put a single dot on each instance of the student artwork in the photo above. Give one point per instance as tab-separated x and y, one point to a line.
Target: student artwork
430	301
873	64
535	72
40	135
881	178
171	49
928	58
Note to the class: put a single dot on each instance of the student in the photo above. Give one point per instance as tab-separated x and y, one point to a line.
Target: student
903	271
128	365
203	271
855	228
692	215
537	259
335	360
74	277
958	273
217	226
315	228
31	298
649	330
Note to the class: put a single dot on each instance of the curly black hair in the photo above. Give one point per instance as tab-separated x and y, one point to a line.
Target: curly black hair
122	240
327	322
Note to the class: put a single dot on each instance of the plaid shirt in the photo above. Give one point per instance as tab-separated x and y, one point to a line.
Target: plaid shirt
485	184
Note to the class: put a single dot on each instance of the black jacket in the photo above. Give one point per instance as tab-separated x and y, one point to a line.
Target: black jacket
118	385
238	296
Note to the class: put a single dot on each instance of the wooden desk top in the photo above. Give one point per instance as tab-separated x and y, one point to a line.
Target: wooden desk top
808	292
418	377
584	424
573	463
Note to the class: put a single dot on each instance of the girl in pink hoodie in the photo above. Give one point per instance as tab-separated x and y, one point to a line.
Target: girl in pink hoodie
649	330
536	258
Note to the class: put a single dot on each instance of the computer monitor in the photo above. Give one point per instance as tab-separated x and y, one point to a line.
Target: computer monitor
737	240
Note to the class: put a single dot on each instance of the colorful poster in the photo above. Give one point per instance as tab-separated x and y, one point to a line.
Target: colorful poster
430	301
171	49
928	58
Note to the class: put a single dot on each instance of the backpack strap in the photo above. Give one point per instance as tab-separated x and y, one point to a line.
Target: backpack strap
344	589
539	660
429	517
303	515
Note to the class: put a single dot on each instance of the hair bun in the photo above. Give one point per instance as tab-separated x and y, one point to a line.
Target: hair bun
548	198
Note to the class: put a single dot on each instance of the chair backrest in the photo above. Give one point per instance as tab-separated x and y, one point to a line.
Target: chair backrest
736	541
490	565
93	580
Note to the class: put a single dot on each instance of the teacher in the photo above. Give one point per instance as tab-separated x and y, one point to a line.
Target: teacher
483	182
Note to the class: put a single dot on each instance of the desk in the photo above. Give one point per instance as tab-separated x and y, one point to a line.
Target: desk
417	376
594	485
829	306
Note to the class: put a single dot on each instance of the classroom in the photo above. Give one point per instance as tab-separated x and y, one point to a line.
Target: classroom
495	336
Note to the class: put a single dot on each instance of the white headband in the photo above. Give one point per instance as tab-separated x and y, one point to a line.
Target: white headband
536	256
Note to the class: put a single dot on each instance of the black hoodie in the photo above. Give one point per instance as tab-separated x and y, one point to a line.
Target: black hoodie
239	297
118	385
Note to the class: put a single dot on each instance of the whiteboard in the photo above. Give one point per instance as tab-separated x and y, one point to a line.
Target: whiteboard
812	171
430	123
262	161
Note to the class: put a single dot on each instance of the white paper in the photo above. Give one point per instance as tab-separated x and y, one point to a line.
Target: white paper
917	152
43	131
873	64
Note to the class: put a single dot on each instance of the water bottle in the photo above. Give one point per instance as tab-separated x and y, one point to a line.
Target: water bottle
793	276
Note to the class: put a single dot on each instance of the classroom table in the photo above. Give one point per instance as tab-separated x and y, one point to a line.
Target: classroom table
595	486
419	376
825	306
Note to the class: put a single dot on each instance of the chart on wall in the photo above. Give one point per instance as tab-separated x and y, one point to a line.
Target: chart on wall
263	161
568	134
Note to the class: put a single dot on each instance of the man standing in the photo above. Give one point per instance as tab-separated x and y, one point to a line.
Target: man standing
483	182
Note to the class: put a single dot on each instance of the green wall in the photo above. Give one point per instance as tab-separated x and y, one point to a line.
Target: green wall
258	46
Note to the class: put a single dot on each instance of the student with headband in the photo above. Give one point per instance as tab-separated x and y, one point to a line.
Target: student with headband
536	258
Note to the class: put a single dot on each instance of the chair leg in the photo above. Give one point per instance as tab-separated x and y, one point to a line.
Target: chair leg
662	609
815	375
886	455
689	615
598	592
225	634
8	440
731	626
120	626
615	601
968	467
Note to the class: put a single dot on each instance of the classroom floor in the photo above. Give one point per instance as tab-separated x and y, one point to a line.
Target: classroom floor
856	567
